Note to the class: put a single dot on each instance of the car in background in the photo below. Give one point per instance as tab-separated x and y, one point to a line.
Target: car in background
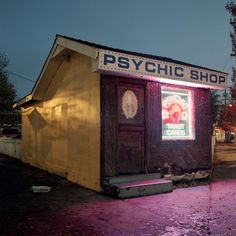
224	136
10	132
231	137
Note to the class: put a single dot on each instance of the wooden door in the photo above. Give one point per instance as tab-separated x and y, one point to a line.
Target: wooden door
131	123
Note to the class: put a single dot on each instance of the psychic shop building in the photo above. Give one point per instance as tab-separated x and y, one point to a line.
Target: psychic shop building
97	112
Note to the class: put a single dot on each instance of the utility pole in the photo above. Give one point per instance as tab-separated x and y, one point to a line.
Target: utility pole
225	96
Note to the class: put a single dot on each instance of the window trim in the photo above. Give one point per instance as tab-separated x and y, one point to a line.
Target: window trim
190	112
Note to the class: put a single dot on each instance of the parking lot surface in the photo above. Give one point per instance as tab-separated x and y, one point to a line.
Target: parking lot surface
69	209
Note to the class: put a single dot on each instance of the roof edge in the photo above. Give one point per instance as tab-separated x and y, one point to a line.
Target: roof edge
91	49
22	101
151	56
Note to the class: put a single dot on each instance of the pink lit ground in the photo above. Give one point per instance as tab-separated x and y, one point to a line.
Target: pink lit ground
68	209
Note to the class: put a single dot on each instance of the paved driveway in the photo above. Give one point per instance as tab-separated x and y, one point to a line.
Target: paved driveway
225	152
68	209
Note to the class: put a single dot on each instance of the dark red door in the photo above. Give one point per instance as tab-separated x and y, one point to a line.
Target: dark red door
131	120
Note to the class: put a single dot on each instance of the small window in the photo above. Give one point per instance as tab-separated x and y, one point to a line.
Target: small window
177	114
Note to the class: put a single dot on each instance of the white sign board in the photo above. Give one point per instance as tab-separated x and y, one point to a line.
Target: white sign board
167	72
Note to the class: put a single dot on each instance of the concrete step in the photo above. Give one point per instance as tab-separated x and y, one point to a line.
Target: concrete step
131	178
138	188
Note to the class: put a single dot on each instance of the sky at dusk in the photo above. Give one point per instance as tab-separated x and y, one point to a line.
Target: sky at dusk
193	31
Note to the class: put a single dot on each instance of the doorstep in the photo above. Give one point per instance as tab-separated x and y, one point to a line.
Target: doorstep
136	186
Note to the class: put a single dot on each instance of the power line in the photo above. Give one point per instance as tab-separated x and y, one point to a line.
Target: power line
20	76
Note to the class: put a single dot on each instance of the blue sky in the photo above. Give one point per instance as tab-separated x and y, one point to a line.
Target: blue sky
194	31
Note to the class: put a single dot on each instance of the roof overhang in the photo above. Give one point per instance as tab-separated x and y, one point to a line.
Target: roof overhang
22	101
61	50
123	63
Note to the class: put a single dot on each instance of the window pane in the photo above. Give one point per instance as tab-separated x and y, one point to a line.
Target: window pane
177	117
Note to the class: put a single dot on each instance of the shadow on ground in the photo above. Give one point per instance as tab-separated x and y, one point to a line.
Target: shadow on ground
69	209
17	200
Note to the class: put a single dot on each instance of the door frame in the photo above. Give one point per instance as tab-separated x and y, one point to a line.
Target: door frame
138	84
109	164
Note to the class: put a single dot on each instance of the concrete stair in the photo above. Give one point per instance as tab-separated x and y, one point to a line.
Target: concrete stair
136	185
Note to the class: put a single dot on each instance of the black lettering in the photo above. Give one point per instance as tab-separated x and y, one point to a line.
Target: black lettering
179	72
222	79
137	64
194	74
213	78
170	70
202	76
123	62
148	69
159	69
109	59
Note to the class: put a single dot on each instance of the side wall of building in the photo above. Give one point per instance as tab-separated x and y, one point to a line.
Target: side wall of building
62	133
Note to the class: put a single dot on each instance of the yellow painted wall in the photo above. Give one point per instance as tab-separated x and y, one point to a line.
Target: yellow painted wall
62	134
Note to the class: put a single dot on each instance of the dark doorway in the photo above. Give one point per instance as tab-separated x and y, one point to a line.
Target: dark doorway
131	128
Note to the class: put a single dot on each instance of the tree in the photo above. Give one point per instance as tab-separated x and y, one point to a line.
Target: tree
7	90
228	114
233	89
7	94
227	117
231	8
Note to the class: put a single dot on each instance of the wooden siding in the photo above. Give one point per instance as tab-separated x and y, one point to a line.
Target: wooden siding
62	133
179	155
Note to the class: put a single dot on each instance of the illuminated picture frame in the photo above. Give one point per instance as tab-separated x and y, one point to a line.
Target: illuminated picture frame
177	114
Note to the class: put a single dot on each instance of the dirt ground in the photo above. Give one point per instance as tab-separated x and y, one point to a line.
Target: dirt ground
69	209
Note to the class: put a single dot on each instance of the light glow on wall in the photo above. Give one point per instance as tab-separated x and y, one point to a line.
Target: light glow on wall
162	80
177	114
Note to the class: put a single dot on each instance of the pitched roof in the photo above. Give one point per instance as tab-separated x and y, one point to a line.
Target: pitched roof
62	43
155	57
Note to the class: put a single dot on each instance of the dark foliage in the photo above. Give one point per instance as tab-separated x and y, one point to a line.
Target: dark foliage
7	94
